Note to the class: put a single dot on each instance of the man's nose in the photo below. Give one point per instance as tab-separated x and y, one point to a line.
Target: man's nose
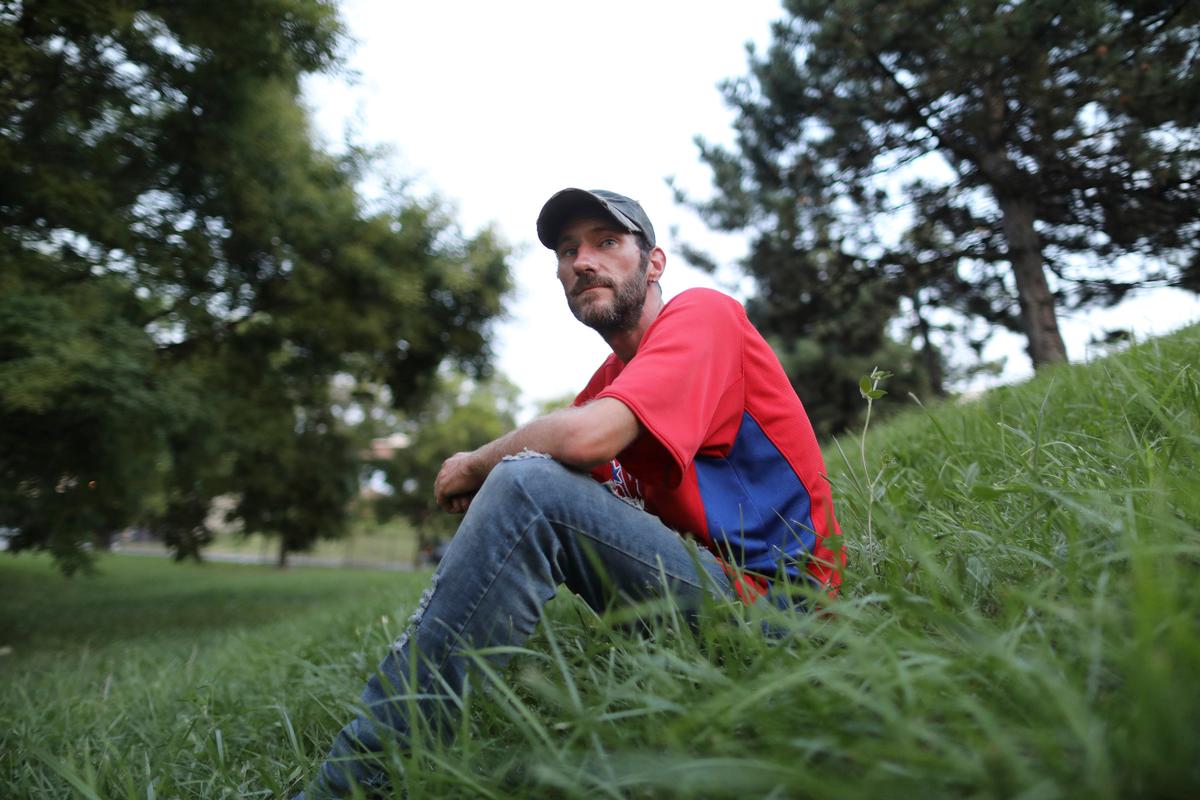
585	259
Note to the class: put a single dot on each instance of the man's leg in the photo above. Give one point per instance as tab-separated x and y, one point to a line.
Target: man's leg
533	525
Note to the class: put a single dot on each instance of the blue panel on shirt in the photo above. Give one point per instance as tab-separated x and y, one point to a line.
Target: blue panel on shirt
757	509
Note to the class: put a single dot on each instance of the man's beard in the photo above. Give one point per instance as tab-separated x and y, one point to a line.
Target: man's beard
625	310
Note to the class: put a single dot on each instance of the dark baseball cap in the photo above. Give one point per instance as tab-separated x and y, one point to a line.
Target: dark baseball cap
569	203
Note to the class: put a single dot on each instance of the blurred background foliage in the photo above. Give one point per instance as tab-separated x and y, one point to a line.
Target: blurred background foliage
462	415
184	273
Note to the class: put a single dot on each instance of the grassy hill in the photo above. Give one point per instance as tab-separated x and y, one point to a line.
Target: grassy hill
1021	618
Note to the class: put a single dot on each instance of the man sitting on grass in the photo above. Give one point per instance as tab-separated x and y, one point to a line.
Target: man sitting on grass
689	427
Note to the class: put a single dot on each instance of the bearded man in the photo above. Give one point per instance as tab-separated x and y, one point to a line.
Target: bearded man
686	467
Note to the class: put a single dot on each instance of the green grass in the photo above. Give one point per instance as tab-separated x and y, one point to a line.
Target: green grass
155	679
1021	618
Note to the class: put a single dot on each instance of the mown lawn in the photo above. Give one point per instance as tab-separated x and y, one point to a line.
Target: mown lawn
152	678
1021	618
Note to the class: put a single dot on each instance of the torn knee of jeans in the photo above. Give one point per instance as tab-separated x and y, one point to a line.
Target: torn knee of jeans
526	453
415	619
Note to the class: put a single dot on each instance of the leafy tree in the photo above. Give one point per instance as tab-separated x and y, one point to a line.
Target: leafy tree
77	388
552	404
912	155
462	415
183	273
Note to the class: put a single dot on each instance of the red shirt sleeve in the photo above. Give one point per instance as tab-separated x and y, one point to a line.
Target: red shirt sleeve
685	382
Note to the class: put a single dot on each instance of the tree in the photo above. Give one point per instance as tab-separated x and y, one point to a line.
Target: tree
83	421
183	273
1059	136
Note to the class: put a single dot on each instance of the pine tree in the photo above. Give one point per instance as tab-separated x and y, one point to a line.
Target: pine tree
953	154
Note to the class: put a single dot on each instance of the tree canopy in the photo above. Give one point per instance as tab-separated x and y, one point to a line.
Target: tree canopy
1002	159
184	270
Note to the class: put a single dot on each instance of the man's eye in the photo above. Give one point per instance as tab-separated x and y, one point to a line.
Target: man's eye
609	242
566	252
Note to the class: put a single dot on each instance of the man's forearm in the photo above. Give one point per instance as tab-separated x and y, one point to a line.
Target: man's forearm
563	435
578	437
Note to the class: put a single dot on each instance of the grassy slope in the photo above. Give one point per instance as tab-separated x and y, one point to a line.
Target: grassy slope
1020	619
1040	549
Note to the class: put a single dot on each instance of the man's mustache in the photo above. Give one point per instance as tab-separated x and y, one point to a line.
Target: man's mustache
590	282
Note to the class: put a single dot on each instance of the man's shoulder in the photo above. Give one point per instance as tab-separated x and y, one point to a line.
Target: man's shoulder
697	323
710	304
700	297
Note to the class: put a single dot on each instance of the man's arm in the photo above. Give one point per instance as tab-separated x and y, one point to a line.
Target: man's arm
579	437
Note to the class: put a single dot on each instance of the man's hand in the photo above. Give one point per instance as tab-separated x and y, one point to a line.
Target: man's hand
457	481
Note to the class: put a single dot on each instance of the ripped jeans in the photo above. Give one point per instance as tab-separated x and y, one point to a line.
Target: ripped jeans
533	525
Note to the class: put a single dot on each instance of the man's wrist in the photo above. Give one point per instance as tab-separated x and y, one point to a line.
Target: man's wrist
477	464
480	462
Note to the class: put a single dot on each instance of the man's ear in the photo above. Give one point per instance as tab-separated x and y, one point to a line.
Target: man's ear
658	265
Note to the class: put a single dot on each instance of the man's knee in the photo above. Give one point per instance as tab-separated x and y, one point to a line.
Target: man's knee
533	474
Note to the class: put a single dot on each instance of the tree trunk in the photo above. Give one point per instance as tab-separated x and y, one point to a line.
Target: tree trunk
929	354
1013	189
1033	292
282	561
423	543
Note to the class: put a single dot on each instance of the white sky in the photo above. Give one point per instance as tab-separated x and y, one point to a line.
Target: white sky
496	106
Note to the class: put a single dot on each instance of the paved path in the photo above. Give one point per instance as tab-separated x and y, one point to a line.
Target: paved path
294	559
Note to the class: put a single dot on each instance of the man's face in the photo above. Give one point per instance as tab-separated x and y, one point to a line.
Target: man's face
603	274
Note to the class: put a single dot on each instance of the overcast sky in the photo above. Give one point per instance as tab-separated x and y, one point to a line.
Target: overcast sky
495	106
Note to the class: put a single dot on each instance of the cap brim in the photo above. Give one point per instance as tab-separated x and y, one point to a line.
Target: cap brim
569	203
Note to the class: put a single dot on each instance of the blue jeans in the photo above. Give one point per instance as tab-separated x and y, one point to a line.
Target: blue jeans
533	526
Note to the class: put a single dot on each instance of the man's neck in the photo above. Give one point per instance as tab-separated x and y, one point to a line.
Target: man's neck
625	343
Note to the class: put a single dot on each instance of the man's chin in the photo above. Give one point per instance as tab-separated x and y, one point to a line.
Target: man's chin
605	315
599	322
587	309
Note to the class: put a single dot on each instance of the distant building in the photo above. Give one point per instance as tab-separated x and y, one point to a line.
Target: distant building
385	447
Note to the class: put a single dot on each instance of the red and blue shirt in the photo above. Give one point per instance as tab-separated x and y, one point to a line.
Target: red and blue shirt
727	453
